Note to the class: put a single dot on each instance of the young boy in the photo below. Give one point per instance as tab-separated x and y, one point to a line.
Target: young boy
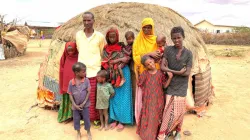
79	90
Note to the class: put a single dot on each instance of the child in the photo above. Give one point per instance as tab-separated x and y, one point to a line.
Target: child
161	44
113	57
127	51
151	82
104	92
177	60
79	90
129	35
68	59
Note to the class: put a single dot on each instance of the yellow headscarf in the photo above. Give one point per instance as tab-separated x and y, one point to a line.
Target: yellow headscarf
144	44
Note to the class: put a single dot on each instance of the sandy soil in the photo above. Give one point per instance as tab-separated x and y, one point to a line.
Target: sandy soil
228	118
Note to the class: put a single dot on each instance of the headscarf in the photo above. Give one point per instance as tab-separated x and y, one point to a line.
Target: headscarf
66	63
144	44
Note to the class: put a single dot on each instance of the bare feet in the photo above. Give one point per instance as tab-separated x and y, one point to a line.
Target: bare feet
122	82
106	127
78	137
100	129
89	136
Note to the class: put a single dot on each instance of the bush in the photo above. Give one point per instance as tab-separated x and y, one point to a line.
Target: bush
238	38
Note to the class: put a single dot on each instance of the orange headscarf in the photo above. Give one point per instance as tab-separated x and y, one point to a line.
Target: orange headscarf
144	44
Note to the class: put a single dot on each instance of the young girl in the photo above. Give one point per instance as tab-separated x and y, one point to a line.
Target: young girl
104	92
79	90
68	59
177	60
113	51
151	82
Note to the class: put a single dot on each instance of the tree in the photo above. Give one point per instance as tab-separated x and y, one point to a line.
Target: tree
242	29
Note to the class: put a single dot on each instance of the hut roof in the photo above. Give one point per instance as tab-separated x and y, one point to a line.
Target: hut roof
128	16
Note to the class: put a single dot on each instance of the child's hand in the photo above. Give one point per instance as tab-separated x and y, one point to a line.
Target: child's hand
112	95
170	75
183	70
82	105
78	107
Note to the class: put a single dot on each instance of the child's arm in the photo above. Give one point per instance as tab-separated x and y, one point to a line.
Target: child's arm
111	91
188	65
137	73
164	68
87	96
71	97
127	52
170	76
73	103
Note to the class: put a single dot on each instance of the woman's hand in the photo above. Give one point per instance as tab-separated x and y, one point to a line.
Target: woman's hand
155	54
112	61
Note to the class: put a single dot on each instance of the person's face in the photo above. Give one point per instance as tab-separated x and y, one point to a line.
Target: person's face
130	40
100	79
88	21
150	64
81	73
112	37
147	30
177	39
71	51
161	43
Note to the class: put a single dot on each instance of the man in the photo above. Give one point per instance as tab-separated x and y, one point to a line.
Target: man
90	44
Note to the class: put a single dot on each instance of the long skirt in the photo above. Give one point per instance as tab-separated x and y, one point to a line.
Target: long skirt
93	112
121	105
65	111
173	115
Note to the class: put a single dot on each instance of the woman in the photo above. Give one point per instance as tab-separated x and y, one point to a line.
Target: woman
144	44
120	108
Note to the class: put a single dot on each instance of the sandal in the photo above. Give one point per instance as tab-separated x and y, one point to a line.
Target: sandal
97	124
113	125
120	127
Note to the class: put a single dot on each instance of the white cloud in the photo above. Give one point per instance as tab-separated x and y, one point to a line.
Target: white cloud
225	12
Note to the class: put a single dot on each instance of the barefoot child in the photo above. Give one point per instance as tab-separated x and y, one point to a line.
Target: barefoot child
177	60
152	82
68	59
79	90
104	92
113	53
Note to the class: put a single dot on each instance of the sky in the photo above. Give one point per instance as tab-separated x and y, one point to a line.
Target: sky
218	12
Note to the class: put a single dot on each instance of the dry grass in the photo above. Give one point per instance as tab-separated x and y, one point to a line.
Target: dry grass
228	50
227	38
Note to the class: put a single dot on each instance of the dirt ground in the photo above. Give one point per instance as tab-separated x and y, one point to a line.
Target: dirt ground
227	119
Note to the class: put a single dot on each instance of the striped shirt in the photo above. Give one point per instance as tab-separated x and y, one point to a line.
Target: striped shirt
179	84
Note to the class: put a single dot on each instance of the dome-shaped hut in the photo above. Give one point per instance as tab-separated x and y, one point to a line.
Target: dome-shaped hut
128	16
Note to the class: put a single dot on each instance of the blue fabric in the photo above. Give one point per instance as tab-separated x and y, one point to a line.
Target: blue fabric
121	105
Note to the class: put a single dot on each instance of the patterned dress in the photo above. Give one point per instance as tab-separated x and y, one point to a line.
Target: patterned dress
103	94
152	104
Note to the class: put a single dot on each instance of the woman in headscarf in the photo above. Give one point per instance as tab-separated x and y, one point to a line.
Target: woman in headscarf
144	44
68	59
121	106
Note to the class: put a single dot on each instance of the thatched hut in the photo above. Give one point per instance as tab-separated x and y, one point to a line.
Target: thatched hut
128	16
14	40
